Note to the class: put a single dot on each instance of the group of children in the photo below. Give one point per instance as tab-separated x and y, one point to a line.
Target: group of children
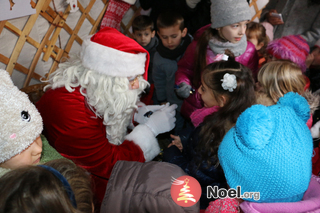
213	93
58	184
241	92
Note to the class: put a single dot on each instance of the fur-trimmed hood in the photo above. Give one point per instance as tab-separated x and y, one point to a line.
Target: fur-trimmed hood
312	98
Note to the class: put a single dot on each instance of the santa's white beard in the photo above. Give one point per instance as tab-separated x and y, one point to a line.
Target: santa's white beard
108	97
116	105
117	123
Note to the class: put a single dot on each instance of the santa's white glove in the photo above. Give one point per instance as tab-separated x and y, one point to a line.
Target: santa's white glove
162	120
143	112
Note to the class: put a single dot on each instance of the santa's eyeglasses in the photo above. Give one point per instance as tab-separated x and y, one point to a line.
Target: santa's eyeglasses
132	80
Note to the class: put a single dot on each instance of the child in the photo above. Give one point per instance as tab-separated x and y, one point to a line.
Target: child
144	33
277	78
174	40
275	165
79	180
227	31
256	34
57	186
21	126
293	48
143	188
227	89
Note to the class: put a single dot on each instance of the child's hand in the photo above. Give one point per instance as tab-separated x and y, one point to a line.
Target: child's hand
309	60
176	141
183	90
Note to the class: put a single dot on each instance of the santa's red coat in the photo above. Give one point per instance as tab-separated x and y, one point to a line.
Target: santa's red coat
77	134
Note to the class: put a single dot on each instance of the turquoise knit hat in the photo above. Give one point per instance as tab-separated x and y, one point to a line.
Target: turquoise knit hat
269	150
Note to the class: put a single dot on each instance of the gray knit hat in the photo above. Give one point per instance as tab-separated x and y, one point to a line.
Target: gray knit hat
226	12
20	120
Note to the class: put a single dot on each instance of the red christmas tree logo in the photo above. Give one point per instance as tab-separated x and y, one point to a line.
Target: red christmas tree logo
185	191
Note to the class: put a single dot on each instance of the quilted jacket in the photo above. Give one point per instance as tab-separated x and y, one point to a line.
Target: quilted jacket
186	65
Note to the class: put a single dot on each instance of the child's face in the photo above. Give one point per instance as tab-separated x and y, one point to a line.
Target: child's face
207	96
29	156
234	32
171	36
143	37
253	39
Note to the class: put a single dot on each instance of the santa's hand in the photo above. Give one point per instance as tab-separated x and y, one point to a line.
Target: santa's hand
183	90
162	120
143	112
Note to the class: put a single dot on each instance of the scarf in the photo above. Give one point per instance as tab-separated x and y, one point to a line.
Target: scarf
174	54
198	115
153	42
219	47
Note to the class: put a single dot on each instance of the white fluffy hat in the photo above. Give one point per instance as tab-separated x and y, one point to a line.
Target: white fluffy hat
20	121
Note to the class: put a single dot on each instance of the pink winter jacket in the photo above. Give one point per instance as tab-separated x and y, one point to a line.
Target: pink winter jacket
186	66
310	203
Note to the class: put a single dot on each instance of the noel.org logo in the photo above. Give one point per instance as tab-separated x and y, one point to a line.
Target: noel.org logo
185	191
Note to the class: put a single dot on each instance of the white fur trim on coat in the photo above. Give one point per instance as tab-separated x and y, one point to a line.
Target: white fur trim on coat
132	2
143	137
112	62
315	130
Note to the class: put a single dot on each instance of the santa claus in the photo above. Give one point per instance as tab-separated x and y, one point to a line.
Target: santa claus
90	104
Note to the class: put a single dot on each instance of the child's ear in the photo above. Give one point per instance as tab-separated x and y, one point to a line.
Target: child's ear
184	32
222	101
153	33
259	46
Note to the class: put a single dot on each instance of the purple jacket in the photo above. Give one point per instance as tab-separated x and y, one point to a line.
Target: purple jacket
186	66
310	202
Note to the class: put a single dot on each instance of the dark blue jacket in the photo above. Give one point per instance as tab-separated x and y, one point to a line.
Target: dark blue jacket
188	160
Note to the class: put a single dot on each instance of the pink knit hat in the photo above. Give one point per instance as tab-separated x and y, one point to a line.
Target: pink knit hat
292	47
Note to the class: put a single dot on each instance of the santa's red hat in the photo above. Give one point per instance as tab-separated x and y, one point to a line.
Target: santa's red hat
111	53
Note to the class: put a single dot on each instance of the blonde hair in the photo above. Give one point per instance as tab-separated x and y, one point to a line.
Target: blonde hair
280	77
